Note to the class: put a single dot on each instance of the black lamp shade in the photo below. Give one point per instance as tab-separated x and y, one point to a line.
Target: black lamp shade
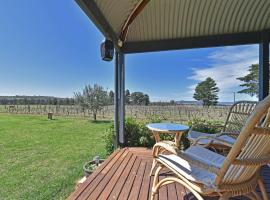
107	50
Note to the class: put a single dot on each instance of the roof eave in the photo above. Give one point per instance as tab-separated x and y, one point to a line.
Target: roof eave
93	12
195	42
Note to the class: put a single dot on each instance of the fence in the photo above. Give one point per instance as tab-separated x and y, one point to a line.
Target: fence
178	113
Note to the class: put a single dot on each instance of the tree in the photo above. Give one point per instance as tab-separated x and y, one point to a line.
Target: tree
136	98
55	101
139	98
127	97
111	97
92	98
207	92
172	102
72	101
50	101
146	100
66	101
251	81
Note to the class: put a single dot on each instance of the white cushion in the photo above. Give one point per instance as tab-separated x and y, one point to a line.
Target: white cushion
227	138
193	135
191	172
205	155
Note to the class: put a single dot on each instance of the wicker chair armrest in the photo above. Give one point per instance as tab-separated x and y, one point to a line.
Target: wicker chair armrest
212	139
252	161
262	130
161	147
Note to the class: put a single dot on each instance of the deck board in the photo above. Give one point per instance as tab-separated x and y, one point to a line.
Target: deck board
130	180
107	176
125	175
121	181
112	180
80	191
145	182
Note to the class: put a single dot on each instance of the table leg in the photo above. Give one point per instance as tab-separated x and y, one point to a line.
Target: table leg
156	136
177	138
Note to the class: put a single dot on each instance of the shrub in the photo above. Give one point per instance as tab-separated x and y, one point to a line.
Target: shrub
205	126
136	135
109	139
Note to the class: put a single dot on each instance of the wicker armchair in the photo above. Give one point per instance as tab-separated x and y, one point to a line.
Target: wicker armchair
238	114
206	173
220	142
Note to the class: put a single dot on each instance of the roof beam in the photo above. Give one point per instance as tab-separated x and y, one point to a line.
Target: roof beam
196	42
93	12
135	12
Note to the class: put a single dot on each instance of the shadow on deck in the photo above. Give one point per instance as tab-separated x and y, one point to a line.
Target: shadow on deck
125	175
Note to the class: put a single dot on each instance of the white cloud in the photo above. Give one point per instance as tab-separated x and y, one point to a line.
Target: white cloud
226	65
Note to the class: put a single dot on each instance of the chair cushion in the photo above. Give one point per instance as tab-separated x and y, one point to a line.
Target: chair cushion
205	155
190	171
193	135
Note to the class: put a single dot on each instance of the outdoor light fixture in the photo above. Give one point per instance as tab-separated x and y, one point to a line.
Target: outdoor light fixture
107	50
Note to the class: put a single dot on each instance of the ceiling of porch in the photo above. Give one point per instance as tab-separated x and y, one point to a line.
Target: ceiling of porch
139	21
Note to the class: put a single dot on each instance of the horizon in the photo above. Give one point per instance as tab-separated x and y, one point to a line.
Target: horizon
57	53
177	101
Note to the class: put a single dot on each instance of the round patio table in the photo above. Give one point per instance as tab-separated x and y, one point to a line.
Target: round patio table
168	128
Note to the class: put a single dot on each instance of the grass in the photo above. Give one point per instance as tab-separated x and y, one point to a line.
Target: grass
41	158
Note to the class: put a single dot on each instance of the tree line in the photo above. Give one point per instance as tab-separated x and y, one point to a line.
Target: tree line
135	98
35	100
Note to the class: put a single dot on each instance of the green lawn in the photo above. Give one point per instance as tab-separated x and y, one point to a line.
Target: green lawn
42	159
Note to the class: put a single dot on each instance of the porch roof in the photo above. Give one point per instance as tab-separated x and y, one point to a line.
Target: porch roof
155	25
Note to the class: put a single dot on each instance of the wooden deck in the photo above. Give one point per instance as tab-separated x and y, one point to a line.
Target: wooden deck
125	175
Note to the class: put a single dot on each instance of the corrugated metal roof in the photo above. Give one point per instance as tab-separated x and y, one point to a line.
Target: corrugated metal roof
179	19
116	11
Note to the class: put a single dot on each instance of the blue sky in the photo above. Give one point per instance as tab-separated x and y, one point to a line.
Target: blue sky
51	48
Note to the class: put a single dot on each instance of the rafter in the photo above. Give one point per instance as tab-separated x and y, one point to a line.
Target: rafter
135	12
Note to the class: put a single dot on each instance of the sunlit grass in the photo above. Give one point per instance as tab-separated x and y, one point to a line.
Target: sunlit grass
41	158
